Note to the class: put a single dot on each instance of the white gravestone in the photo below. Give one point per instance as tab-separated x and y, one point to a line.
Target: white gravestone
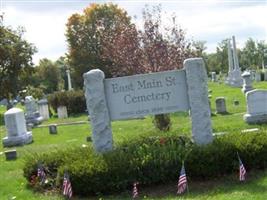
69	80
256	107
140	95
43	108
32	114
247	82
62	112
17	133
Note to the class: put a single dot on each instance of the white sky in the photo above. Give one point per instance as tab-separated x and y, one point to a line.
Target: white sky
208	20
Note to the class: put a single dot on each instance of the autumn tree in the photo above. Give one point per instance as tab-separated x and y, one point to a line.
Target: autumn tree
15	61
85	37
154	48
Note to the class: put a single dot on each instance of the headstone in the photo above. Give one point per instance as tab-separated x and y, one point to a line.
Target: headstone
220	105
144	94
213	77
69	80
253	75
11	154
247	82
258	76
62	112
17	133
53	129
256	107
265	75
32	114
234	78
43	108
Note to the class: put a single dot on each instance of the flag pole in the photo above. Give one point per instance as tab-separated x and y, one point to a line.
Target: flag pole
187	188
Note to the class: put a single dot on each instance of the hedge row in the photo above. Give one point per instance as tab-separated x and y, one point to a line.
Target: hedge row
74	100
150	161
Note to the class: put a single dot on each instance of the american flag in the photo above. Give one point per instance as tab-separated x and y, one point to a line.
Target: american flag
242	170
135	190
67	189
41	173
182	183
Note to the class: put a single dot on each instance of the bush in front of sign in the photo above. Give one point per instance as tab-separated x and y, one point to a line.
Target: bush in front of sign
149	160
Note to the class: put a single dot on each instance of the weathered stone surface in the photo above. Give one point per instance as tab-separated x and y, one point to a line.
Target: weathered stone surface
43	108
32	115
258	77
256	107
17	133
265	75
98	110
213	77
62	112
53	129
144	94
198	99
247	82
69	79
220	105
234	78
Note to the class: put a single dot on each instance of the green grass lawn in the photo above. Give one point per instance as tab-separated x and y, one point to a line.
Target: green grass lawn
12	182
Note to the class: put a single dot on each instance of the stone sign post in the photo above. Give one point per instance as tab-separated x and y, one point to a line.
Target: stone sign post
155	93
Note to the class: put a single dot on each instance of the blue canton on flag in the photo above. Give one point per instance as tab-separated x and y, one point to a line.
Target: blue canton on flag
242	170
182	183
67	189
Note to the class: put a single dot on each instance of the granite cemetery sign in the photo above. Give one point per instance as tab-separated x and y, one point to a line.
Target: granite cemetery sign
140	95
154	93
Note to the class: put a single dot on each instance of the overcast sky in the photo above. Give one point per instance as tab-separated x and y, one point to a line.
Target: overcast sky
206	20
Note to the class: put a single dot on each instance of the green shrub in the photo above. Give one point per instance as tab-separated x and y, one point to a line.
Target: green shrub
73	100
150	160
162	122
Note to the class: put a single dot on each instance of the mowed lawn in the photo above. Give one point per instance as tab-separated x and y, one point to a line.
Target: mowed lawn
13	184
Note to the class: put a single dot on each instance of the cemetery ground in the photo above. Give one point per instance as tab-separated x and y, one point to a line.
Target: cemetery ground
14	186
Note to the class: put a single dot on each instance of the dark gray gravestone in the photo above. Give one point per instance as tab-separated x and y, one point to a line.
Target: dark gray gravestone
53	129
11	154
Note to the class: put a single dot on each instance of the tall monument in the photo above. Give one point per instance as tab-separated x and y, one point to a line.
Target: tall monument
234	77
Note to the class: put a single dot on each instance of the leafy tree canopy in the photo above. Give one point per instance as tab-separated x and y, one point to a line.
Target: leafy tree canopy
85	33
15	61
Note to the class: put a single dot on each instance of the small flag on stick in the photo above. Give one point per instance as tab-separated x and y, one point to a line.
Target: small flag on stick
182	183
67	189
41	173
135	190
242	170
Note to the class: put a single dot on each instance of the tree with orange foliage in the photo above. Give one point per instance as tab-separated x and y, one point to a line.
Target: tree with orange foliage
85	33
